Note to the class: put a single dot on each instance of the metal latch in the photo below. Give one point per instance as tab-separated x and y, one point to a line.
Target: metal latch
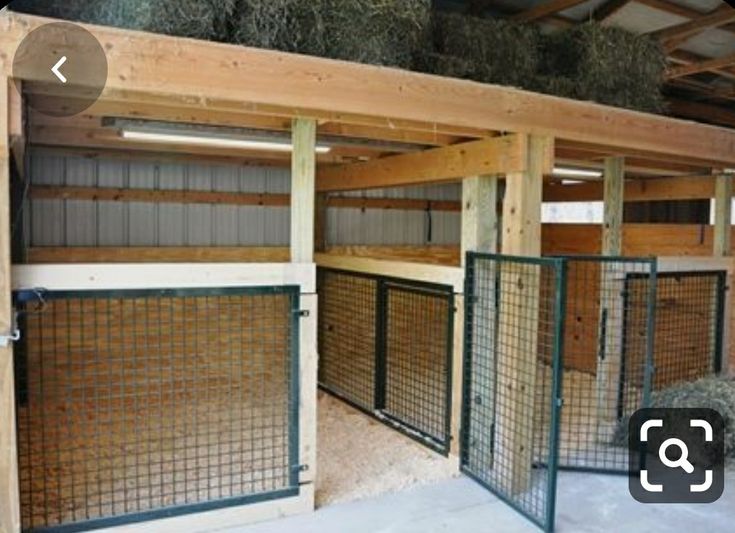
302	313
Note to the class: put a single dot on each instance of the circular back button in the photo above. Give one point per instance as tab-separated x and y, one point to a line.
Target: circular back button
64	61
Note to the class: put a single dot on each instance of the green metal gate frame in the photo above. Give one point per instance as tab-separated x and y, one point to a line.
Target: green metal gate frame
545	520
23	297
440	444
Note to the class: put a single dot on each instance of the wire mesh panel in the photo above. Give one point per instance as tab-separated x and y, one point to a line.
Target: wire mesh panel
514	324
418	359
689	325
138	404
385	346
347	335
605	362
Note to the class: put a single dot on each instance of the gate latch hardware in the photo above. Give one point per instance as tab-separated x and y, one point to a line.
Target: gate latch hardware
301	468
14	334
302	313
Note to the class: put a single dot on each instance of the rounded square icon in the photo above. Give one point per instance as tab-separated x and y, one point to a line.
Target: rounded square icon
676	455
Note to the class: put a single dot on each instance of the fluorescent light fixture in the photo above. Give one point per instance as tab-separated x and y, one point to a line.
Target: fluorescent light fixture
219	141
576	172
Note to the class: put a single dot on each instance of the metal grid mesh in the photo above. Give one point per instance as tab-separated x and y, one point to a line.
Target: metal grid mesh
136	404
514	320
689	325
347	335
418	359
604	359
385	347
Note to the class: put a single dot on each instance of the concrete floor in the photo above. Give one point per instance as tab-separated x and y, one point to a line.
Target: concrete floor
587	503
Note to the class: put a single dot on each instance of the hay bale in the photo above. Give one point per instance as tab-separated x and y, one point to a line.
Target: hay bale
716	393
605	64
486	50
379	32
199	19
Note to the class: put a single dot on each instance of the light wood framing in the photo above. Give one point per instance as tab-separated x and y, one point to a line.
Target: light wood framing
722	239
479	215
303	170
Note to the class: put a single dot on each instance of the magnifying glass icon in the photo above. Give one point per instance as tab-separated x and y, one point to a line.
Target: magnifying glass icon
681	462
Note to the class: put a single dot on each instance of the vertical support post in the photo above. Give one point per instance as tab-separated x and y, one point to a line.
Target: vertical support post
320	223
518	325
611	300
303	176
479	214
9	499
303	170
723	216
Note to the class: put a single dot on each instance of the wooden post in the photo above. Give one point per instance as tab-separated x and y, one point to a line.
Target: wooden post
303	169
518	326
479	214
611	300
723	216
9	499
320	223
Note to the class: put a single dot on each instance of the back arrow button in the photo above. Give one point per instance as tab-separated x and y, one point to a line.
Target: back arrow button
55	69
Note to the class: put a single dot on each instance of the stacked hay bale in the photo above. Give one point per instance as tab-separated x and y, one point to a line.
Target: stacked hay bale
199	19
486	50
379	32
604	64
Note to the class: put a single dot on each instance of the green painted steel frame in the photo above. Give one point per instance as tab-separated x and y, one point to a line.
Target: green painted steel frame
293	291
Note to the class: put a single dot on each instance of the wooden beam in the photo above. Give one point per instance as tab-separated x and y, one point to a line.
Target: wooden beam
163	254
723	216
408	204
700	111
320	222
655	189
673	36
479	215
545	9
16	127
303	172
498	155
702	66
608	9
9	498
114	194
518	330
145	68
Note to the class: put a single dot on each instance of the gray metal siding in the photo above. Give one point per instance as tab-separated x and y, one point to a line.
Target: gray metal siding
90	223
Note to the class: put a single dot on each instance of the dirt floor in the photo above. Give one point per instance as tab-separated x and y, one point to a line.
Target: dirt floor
360	457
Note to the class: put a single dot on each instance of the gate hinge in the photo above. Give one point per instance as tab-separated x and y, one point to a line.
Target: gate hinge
13	335
302	313
301	468
560	402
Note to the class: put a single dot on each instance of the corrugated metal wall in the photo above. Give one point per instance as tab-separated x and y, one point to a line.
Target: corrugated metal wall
93	223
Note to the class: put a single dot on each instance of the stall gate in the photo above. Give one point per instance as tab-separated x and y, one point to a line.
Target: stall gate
385	347
139	404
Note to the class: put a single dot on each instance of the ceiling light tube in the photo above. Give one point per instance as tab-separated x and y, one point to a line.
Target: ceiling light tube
214	141
576	172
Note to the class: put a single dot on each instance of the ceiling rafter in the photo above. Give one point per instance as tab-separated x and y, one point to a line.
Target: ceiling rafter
673	36
546	9
701	66
608	9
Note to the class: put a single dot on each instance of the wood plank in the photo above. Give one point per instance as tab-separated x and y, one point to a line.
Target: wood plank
436	255
168	254
545	9
444	275
723	216
457	374
16	127
9	498
243	78
320	222
163	275
499	155
479	215
655	189
303	173
114	194
701	66
409	204
703	112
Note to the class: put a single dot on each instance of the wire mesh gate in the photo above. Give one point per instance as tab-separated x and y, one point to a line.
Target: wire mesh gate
514	327
134	405
607	363
385	346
